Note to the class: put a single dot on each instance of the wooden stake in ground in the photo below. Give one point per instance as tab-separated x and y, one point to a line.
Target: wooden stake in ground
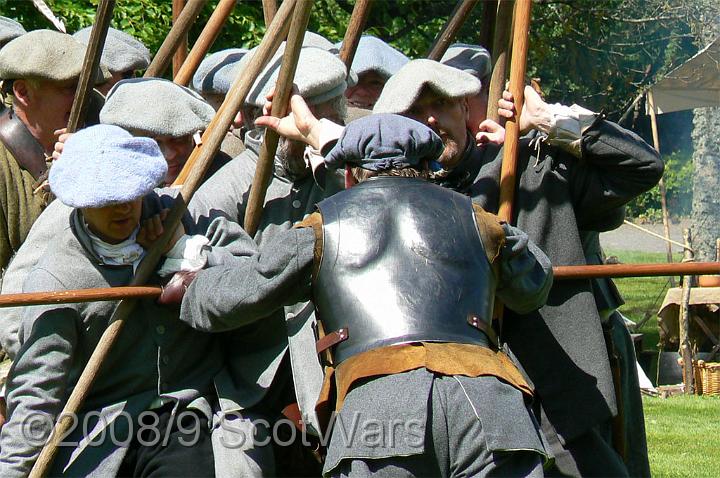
91	63
182	49
501	46
450	29
359	17
686	351
179	30
202	157
661	184
204	42
283	90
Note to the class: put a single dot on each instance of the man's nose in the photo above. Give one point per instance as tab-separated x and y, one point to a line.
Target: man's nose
122	208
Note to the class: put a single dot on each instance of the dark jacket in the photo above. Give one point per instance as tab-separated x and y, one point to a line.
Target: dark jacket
561	346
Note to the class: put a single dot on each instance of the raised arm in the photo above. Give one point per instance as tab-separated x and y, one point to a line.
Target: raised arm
605	165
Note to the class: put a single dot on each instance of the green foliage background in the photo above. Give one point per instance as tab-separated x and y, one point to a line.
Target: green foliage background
594	53
599	54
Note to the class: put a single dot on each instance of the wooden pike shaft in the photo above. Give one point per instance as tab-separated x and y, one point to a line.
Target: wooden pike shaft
501	44
487	24
202	156
283	90
205	41
560	273
635	270
451	28
358	19
181	52
86	82
269	10
179	30
512	130
78	295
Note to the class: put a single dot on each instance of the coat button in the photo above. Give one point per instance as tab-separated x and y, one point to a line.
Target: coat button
160	329
166	359
296	204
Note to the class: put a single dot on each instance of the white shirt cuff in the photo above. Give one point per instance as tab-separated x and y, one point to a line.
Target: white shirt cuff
186	255
566	126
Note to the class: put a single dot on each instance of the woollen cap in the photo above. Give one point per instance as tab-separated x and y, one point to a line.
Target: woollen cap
318	41
373	54
9	30
384	141
473	59
156	107
320	76
122	52
404	87
217	72
103	165
44	55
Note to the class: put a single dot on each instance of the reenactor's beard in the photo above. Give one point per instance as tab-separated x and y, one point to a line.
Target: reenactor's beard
289	160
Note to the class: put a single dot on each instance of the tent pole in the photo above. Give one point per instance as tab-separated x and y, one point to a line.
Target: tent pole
661	184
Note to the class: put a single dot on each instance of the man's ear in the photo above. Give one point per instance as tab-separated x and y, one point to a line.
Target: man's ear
21	92
349	178
465	105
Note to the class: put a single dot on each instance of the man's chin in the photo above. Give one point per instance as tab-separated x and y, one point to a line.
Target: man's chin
449	158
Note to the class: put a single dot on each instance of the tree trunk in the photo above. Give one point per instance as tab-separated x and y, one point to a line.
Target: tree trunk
706	182
706	155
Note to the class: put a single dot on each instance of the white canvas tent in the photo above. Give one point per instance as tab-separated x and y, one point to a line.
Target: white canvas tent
694	84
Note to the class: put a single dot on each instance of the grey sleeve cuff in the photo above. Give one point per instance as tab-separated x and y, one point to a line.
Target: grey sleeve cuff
525	273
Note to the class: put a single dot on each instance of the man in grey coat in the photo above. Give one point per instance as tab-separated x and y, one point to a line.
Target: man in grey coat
581	167
397	293
151	406
259	354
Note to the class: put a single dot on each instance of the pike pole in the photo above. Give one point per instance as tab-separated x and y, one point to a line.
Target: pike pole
358	19
283	90
86	82
559	273
204	42
451	28
179	30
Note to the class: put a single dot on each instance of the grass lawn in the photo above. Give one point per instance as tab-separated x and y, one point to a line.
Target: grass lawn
682	435
682	431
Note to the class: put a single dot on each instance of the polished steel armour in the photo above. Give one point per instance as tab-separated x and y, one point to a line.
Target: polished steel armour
402	262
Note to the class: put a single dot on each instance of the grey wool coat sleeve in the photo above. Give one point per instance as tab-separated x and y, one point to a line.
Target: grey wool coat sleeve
525	273
38	389
615	166
247	288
